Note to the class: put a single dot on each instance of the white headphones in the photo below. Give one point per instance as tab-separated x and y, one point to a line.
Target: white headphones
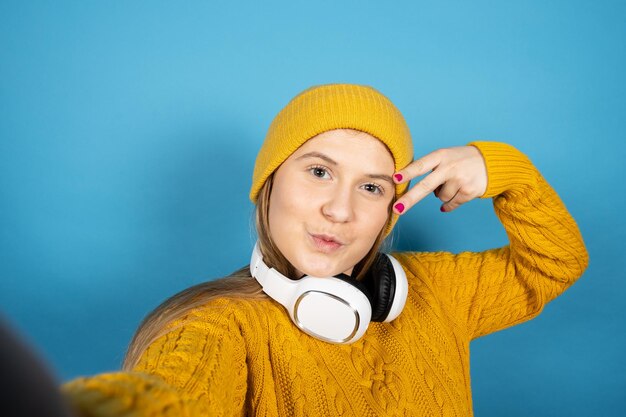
337	309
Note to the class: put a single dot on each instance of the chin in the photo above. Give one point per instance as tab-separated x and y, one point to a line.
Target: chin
324	270
324	265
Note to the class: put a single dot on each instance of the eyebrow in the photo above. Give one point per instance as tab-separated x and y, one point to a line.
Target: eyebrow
333	162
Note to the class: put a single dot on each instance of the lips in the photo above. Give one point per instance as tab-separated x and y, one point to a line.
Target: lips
326	243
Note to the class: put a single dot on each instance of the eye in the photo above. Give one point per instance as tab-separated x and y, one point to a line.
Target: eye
319	172
374	189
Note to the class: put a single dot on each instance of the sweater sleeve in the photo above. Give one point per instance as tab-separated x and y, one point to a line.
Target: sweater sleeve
197	368
492	290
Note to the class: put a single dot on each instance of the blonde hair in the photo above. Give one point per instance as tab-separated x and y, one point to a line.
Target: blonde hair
239	284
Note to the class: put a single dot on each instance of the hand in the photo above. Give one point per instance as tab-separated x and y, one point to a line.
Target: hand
458	175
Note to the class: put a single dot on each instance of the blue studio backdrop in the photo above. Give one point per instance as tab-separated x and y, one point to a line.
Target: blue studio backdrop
128	132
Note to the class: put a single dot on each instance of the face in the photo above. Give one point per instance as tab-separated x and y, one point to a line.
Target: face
330	200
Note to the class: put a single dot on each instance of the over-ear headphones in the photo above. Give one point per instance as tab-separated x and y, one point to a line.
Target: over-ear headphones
337	309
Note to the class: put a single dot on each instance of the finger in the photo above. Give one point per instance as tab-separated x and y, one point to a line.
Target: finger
418	167
448	191
460	198
420	190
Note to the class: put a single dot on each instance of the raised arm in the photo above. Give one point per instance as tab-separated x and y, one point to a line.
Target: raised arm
495	289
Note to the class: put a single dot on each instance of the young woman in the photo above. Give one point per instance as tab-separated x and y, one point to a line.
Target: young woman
329	184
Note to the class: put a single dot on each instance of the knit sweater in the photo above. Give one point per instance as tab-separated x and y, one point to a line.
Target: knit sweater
236	357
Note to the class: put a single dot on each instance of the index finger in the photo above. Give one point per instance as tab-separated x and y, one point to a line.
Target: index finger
418	167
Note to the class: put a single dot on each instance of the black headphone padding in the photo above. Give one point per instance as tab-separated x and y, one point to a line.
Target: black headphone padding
378	285
360	285
381	283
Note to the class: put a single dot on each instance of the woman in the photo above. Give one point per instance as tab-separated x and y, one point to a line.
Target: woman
329	183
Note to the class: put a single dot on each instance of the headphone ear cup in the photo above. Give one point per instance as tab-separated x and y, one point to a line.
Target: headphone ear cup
360	285
381	282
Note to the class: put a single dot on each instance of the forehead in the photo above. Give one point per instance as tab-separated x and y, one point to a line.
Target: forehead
349	147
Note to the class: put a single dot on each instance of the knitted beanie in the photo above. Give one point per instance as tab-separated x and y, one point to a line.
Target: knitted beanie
327	107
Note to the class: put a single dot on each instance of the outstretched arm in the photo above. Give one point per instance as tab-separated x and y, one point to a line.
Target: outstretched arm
197	368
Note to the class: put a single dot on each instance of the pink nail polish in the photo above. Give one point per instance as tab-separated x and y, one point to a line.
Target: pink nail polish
399	207
398	177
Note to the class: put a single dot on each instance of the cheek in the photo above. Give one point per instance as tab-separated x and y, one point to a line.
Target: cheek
373	222
375	219
287	211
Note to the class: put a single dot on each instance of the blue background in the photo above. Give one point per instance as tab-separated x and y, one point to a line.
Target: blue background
129	131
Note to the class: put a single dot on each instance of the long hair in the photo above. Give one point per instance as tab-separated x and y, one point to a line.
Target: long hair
239	284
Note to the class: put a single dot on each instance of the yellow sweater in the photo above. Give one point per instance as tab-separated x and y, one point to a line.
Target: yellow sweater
237	357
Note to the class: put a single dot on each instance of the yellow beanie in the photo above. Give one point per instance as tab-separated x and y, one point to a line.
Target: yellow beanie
327	107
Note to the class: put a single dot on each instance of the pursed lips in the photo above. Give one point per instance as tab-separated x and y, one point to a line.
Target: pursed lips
326	243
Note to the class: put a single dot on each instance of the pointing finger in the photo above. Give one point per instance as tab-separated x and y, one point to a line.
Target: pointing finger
418	167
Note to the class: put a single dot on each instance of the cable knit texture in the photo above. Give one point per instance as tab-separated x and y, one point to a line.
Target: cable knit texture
236	357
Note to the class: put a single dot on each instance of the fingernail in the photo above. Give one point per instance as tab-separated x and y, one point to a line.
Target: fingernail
399	207
398	177
442	209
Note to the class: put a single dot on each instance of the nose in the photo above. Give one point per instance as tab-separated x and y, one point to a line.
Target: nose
339	206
